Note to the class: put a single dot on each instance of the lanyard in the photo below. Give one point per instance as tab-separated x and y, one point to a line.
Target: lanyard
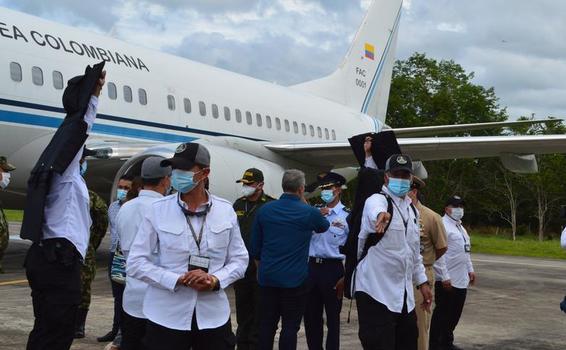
199	238
459	227
405	222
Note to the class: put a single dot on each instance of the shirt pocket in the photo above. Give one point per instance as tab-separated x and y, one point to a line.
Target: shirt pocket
172	238
219	236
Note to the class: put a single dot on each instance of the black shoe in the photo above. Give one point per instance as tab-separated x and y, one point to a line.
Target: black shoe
80	325
454	347
108	337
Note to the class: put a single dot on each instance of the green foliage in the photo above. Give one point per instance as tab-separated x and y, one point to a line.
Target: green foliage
14	215
428	92
523	246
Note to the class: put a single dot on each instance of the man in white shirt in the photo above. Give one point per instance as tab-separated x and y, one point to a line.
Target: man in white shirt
156	183
385	275
188	250
454	272
53	263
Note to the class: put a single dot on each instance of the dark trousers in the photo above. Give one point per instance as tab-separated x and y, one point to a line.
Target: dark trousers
381	329
158	338
287	304
446	315
117	293
133	331
53	270
247	312
322	295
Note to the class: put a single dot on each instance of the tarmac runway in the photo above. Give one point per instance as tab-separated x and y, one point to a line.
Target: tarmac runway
514	306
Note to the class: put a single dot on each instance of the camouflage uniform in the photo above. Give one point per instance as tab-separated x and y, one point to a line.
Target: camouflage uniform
99	216
4	234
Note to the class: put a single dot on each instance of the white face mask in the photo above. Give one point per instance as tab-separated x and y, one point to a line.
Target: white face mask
457	214
5	180
248	190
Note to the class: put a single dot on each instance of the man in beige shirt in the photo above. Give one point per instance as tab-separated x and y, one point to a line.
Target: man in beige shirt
433	246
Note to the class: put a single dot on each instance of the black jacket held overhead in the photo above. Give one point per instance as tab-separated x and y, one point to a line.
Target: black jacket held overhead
63	147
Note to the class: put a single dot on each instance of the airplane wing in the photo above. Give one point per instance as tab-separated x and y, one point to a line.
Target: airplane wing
421	131
339	154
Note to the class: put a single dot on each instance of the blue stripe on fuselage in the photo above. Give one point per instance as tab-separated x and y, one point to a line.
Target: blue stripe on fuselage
54	122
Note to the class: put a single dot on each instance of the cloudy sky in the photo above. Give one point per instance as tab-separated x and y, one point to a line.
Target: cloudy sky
512	45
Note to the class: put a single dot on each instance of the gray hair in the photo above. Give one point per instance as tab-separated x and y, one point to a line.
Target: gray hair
293	179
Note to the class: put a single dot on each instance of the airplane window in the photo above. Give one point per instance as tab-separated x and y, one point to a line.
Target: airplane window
268	121
287	127
238	116
258	119
112	92
304	128
142	96
311	129
15	71
333	134
278	123
171	102
295	127
215	111
226	113
128	94
202	108
187	104
249	118
37	76
319	131
57	80
326	133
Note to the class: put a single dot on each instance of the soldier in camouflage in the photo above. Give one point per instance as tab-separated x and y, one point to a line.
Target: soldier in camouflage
5	169
99	217
247	289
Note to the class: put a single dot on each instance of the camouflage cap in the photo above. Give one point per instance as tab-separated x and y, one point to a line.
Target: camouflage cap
4	165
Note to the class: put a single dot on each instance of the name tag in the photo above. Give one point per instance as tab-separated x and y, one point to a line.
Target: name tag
199	263
467	248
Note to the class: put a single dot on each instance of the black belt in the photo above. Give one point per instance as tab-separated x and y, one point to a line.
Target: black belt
313	259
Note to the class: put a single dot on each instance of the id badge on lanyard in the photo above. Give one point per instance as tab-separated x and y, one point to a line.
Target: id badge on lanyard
198	262
467	245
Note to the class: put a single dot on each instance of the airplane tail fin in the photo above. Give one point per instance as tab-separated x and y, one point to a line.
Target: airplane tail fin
363	79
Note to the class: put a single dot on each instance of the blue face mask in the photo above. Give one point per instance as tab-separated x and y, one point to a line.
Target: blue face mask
399	187
183	181
121	194
83	168
327	195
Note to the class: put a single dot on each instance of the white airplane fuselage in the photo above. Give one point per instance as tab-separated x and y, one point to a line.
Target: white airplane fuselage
222	104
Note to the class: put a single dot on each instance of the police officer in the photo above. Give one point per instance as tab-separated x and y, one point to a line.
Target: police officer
5	168
188	249
326	269
385	275
433	246
247	289
454	273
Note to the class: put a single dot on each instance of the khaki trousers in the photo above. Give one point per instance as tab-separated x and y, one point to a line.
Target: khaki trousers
423	317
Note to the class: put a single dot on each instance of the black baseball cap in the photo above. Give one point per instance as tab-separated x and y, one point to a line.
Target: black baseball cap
250	176
188	155
399	162
455	201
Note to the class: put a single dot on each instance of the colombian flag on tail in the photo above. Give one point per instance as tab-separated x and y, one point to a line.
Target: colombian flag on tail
370	51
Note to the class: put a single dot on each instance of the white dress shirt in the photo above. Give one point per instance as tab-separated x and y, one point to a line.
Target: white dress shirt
67	211
128	222
165	228
390	268
113	210
563	239
327	244
458	262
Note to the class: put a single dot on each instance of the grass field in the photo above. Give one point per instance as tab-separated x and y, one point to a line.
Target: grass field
14	215
523	246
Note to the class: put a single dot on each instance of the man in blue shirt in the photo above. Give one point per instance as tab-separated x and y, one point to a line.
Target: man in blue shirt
280	245
326	270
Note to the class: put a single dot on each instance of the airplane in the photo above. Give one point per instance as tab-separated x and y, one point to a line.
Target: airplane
154	101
